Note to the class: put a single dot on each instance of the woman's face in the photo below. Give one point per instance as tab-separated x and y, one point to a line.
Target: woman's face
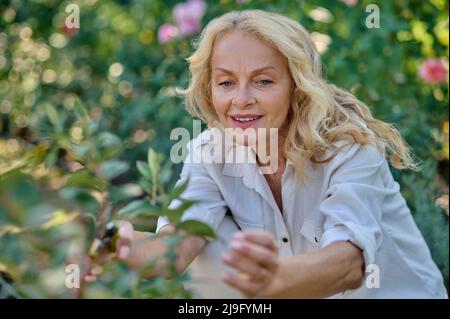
251	85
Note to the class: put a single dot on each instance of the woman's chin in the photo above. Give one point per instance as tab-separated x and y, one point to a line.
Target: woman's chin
247	137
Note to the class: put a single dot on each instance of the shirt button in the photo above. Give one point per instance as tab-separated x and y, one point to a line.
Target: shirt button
285	240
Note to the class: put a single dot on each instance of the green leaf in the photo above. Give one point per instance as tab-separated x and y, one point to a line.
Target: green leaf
166	172
124	192
143	168
146	185
80	111
108	145
175	193
108	140
113	168
195	227
175	214
90	221
153	162
83	179
139	208
59	217
54	117
81	197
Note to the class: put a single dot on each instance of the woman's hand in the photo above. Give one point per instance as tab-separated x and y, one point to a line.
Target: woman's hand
136	249
126	236
122	250
254	255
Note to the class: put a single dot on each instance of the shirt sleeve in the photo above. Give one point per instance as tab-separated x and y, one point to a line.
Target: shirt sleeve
353	205
210	208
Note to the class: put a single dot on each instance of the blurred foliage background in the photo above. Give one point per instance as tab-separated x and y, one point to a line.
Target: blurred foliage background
80	108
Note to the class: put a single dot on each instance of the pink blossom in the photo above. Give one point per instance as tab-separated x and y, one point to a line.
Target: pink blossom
188	16
167	32
70	31
349	3
433	71
188	26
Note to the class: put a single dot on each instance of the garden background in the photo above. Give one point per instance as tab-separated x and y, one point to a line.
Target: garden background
81	105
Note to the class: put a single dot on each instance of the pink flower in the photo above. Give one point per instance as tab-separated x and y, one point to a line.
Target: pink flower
349	3
188	16
70	31
433	71
167	32
188	26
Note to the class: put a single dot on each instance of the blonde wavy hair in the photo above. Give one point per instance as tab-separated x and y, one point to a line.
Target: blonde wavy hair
320	113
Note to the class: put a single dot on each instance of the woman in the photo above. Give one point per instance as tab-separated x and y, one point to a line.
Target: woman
329	220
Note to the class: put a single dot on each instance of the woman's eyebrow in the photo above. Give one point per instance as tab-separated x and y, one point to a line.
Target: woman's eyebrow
253	72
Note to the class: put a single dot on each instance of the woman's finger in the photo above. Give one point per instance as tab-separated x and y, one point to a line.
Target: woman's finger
256	253
255	271
126	230
259	237
125	239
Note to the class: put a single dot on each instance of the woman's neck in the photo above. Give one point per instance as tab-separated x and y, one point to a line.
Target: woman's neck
276	162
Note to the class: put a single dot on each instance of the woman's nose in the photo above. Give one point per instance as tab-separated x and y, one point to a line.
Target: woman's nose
243	97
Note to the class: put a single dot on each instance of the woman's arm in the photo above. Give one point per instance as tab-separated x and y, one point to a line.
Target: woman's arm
138	248
319	274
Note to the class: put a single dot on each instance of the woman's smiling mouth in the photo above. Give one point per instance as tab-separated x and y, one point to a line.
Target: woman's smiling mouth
245	120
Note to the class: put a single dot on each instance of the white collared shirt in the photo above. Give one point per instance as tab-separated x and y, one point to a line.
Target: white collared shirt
351	198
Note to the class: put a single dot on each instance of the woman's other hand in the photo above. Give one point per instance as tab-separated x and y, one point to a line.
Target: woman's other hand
254	256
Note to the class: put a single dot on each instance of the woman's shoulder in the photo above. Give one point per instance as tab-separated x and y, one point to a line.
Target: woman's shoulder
348	154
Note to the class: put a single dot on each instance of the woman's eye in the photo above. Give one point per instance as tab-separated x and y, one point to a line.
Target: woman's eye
260	82
225	83
265	82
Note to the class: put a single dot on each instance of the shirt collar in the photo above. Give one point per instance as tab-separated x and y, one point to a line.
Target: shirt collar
246	167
